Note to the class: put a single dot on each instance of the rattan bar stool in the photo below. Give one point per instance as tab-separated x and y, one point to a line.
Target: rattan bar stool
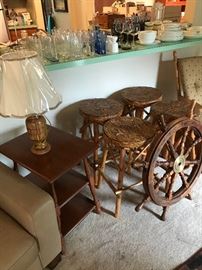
95	113
136	99
174	109
125	140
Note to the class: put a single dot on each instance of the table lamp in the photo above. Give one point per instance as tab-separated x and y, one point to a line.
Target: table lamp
26	91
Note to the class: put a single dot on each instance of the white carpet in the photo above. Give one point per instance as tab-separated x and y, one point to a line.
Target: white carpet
135	241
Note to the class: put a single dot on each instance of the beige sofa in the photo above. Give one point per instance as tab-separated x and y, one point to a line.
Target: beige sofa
29	235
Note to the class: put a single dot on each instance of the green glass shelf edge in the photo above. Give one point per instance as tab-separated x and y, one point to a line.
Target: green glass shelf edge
140	51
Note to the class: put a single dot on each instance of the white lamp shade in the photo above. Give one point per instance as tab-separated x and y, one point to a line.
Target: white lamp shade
25	88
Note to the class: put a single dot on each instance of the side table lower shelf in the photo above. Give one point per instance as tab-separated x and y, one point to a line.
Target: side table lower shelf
74	206
74	212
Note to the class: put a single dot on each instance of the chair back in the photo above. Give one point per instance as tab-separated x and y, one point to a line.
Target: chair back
189	77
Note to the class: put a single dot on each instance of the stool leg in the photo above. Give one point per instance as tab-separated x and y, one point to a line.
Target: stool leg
91	184
139	112
128	110
120	182
83	129
130	159
96	142
102	166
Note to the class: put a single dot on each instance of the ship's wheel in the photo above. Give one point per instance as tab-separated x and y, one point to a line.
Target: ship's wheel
173	163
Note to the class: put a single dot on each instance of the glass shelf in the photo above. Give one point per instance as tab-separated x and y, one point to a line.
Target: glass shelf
140	50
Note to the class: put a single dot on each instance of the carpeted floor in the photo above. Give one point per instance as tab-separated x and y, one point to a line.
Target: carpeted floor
135	241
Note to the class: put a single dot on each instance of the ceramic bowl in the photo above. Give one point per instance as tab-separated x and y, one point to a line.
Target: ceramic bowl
147	36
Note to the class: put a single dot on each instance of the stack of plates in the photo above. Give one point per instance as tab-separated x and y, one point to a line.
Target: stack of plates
171	32
193	32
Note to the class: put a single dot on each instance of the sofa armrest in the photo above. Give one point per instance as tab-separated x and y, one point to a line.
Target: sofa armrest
34	209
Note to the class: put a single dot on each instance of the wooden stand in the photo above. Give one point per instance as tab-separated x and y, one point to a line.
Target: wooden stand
53	173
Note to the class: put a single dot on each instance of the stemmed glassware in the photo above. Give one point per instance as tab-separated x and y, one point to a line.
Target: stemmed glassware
126	30
134	29
131	32
119	29
86	43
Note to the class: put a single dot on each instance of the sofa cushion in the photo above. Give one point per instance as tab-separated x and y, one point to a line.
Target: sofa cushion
33	209
18	249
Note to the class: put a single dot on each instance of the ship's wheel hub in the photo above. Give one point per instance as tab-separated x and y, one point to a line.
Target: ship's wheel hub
179	164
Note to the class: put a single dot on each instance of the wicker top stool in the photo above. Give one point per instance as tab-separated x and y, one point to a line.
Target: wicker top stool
127	132
95	113
138	98
175	109
125	141
100	109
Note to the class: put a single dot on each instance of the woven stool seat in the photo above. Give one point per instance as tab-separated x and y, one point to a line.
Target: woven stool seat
128	132
100	109
138	98
175	109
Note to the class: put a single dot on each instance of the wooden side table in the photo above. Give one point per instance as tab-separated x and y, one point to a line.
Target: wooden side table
53	172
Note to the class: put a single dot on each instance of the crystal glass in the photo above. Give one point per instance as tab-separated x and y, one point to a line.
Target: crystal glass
126	28
48	48
62	44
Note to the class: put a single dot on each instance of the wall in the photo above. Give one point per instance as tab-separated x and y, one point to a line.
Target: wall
63	18
193	12
81	12
38	14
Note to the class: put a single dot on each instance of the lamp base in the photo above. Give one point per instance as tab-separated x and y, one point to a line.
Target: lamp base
35	150
38	132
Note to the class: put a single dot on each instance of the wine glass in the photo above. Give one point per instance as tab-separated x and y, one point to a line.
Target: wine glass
134	33
135	28
119	29
126	30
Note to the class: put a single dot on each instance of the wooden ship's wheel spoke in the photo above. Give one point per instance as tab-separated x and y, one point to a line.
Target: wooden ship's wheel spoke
164	178
192	146
164	164
171	149
192	162
184	140
184	181
169	193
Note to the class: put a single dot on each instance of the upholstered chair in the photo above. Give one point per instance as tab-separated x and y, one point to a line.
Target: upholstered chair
190	77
